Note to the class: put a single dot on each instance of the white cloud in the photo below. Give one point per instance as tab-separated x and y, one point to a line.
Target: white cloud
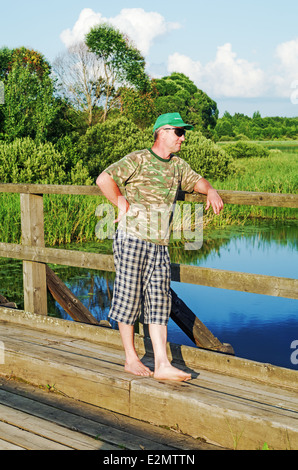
142	27
225	76
286	72
87	20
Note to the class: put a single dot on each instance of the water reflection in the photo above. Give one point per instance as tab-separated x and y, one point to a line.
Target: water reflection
259	327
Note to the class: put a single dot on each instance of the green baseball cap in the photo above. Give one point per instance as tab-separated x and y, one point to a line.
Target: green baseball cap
171	119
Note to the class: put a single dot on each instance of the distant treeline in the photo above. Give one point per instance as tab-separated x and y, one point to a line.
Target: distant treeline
242	127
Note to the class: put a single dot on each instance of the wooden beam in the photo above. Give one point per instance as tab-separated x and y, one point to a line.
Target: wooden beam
249	198
68	301
223	279
34	273
239	281
228	196
194	328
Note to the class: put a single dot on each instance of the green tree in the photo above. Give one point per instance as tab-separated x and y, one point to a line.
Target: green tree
138	106
122	63
178	93
30	106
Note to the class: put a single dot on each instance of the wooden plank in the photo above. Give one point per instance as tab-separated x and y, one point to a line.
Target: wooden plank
5	445
229	197
94	421
26	439
53	432
269	285
194	328
239	281
91	427
34	274
68	300
249	198
232	280
49	189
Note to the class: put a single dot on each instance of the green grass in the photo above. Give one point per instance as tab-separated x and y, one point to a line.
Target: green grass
276	174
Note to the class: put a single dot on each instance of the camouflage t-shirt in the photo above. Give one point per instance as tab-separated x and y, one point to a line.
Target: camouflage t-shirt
150	185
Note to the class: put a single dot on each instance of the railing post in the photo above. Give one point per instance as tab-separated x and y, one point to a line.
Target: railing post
34	274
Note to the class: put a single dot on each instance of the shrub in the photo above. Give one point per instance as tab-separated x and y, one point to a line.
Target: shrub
205	157
105	143
243	149
25	161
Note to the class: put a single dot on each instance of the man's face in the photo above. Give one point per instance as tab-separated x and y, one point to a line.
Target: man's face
173	137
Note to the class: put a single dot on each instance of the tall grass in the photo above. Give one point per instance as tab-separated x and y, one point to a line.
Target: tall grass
67	218
276	174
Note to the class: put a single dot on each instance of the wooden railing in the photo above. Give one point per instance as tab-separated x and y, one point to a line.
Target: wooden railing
35	255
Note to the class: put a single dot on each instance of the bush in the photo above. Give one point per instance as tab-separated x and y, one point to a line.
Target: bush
205	157
246	149
25	161
104	144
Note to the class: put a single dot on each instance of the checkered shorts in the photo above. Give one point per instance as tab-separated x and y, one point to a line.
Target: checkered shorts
143	275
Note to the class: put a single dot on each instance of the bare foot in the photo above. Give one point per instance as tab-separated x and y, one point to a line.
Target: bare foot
137	368
168	372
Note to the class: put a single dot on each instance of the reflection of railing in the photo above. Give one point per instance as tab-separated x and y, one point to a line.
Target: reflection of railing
35	255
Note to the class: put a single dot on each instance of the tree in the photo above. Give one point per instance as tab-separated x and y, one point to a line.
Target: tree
80	79
138	106
122	63
178	93
30	105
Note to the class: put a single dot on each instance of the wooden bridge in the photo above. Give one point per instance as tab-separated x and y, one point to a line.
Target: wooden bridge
230	401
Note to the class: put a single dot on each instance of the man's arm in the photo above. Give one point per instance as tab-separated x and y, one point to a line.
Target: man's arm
111	191
203	186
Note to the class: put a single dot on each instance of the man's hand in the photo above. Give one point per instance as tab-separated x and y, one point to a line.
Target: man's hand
111	191
214	200
123	207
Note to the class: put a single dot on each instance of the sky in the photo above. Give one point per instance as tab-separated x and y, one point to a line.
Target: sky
243	54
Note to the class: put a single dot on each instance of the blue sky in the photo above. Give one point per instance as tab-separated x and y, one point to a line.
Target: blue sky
244	55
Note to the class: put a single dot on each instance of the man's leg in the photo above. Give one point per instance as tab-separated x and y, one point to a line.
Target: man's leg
163	369
132	361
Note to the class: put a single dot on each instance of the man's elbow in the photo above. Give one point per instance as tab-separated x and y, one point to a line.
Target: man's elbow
101	179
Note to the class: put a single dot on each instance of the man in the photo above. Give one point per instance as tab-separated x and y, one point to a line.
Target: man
151	179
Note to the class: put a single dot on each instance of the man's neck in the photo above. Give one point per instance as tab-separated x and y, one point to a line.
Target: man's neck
161	152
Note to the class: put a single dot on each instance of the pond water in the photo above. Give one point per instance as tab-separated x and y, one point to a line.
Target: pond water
259	327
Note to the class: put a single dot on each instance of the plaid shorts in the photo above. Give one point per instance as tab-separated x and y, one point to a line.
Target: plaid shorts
143	276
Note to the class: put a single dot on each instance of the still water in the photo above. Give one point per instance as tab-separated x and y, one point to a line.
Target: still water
259	327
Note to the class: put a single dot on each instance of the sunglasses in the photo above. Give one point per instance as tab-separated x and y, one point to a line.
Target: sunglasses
179	131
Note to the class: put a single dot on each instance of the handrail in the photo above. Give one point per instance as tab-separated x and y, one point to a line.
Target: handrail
228	196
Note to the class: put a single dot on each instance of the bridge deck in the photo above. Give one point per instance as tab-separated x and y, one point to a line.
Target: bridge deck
229	410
